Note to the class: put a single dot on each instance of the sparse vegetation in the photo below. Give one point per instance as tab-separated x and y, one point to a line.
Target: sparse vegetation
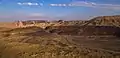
27	46
78	40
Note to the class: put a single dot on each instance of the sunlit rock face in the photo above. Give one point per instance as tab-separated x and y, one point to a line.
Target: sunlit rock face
38	23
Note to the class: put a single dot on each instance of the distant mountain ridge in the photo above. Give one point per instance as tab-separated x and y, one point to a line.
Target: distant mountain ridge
97	21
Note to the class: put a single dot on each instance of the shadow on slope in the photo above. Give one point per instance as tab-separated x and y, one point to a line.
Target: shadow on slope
85	31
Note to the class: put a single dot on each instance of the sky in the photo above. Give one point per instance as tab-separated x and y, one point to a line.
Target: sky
13	10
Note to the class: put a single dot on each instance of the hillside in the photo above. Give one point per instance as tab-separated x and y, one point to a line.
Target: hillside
7	24
85	30
96	38
105	21
35	42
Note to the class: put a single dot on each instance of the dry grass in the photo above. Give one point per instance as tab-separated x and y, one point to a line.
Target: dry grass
34	42
47	48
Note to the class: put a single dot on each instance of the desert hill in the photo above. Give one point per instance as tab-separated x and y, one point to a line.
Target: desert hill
86	31
105	21
96	38
35	42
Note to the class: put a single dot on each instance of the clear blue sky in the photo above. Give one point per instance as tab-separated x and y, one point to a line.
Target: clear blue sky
11	10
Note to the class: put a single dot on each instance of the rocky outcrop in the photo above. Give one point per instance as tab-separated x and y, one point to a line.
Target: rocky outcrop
29	23
38	23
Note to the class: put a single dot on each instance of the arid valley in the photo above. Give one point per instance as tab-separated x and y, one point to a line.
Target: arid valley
95	38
